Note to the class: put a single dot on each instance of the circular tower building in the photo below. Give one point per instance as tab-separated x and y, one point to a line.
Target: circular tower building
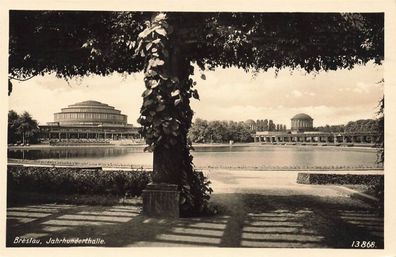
301	122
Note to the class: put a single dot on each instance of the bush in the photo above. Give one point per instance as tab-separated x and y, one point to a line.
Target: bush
375	183
341	179
76	180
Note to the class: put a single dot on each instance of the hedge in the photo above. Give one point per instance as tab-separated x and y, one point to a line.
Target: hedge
76	180
323	178
374	182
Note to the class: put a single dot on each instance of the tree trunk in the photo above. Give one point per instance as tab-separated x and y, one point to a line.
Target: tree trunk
166	114
173	163
169	164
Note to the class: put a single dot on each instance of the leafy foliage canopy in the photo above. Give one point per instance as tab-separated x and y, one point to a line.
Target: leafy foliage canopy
72	43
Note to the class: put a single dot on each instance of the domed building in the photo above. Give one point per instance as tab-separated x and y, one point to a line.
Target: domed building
251	124
88	120
90	113
301	122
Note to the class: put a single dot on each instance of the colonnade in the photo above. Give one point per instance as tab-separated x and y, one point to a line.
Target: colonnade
73	136
306	138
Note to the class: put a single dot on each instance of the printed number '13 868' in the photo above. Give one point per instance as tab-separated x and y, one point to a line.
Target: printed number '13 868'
363	244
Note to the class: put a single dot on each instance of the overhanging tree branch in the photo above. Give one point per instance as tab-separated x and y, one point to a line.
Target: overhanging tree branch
24	79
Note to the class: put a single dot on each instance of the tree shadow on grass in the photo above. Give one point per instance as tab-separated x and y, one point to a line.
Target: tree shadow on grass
245	220
296	221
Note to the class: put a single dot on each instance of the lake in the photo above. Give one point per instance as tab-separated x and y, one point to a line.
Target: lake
249	156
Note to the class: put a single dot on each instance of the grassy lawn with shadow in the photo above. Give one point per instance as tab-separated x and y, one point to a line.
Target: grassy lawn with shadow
245	220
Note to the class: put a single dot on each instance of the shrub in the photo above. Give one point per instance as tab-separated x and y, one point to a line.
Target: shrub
352	179
77	180
374	182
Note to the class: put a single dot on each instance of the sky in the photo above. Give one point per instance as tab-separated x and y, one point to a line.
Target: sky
333	98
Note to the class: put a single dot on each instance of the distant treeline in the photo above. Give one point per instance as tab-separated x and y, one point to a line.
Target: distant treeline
22	128
203	131
266	125
368	125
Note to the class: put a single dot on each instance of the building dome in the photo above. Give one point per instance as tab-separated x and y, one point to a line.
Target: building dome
251	124
301	122
90	113
302	116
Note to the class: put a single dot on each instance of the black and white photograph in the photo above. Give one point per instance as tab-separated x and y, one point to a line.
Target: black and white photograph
203	129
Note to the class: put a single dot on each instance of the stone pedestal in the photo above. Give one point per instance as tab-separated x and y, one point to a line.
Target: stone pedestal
161	200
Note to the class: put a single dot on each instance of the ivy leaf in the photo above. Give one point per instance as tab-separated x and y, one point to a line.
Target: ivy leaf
165	52
145	33
147	92
131	44
175	126
148	46
160	17
149	148
201	65
167	130
157	122
143	110
177	101
153	83
140	120
175	80
157	62
138	48
156	41
160	108
147	102
161	31
195	94
164	24
175	93
163	76
150	73
85	45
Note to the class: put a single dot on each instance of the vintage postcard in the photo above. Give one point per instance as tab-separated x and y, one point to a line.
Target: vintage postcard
246	128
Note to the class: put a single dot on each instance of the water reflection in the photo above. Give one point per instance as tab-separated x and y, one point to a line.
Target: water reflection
67	153
216	156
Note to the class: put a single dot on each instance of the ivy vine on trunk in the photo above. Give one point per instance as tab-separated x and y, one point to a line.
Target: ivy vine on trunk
166	114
